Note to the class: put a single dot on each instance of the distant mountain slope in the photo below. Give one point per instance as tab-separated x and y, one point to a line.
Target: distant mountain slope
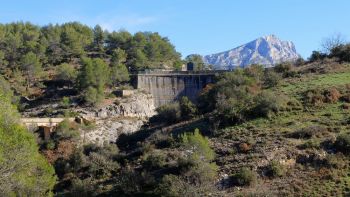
267	50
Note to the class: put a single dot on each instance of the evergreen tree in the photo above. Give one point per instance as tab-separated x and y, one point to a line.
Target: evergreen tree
119	72
93	78
23	171
31	67
99	39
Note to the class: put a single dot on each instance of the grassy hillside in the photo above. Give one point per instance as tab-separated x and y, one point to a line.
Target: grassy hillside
313	166
292	153
276	132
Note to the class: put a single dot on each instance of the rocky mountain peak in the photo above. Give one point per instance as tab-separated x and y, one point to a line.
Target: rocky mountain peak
267	50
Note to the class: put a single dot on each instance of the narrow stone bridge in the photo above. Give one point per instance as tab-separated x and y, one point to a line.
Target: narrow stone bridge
39	122
45	125
169	86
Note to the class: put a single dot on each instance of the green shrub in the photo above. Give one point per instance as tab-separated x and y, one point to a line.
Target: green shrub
23	170
285	69
101	166
93	96
65	102
188	109
309	132
66	130
175	186
312	144
48	111
343	143
332	95
245	177
50	145
154	160
169	113
66	72
314	97
272	79
83	187
276	169
317	56
335	161
266	105
342	52
317	97
198	144
256	71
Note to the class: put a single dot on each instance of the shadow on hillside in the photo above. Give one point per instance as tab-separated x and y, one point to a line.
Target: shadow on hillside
55	90
128	142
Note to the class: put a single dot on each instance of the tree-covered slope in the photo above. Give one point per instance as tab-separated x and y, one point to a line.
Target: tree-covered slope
23	170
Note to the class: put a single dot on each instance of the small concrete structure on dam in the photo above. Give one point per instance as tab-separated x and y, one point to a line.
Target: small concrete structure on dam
169	86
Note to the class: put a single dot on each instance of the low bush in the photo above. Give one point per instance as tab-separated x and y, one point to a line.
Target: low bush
343	143
332	95
50	145
276	169
283	67
286	69
314	97
309	132
311	144
272	79
154	160
342	52
101	166
335	161
93	96
188	109
65	102
267	104
245	177
345	97
169	113
317	97
244	147
198	144
66	130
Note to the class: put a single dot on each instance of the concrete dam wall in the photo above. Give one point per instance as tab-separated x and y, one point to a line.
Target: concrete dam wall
167	87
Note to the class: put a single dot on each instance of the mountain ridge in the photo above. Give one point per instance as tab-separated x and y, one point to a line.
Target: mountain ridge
267	50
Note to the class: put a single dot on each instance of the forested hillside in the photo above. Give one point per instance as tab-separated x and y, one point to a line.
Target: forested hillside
31	53
281	131
256	132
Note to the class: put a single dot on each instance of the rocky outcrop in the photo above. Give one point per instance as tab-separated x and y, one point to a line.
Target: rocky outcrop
108	130
138	105
122	116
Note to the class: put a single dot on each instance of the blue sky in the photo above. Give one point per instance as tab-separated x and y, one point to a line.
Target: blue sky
197	26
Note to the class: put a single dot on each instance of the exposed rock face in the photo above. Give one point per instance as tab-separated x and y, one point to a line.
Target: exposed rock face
267	51
125	115
108	130
139	105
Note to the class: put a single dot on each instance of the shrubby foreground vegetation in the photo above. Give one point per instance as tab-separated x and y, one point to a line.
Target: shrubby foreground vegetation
23	170
282	131
256	137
